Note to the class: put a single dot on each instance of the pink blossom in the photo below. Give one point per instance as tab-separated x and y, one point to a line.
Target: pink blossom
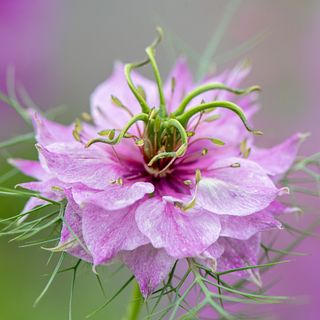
149	197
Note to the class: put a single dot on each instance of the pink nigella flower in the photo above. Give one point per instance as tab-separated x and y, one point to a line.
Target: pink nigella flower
162	172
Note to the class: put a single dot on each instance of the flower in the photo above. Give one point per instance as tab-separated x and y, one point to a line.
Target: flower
161	173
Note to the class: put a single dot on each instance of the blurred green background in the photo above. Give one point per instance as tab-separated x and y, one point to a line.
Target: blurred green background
62	49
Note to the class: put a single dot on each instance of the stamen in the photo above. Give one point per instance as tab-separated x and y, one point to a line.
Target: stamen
86	117
198	122
139	142
190	134
173	85
118	181
78	125
112	134
56	188
247	153
243	146
119	104
76	135
198	176
204	151
105	133
244	150
215	141
167	166
212	118
77	130
235	165
192	202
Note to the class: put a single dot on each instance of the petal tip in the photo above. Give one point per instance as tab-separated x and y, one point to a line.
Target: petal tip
284	191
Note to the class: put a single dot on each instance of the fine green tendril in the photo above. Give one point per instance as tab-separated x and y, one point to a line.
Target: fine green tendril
151	54
139	117
184	118
209	87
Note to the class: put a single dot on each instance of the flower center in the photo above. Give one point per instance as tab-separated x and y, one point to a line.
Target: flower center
161	142
165	137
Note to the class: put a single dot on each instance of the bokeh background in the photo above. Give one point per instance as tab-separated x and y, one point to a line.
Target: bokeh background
61	49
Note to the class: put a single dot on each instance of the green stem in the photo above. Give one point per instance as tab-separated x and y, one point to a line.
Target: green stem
184	118
134	306
208	87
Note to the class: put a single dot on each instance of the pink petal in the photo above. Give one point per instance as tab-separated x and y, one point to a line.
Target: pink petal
239	254
278	159
182	234
234	78
108	232
31	204
149	265
118	197
211	254
231	78
48	131
72	163
46	188
277	208
30	168
245	227
182	84
108	116
229	127
72	230
81	193
236	191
